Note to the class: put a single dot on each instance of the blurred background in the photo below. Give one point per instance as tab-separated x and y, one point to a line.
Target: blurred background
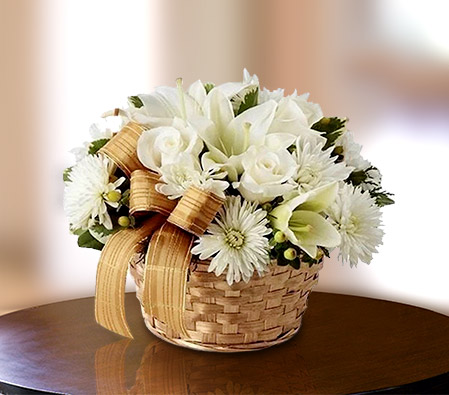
383	64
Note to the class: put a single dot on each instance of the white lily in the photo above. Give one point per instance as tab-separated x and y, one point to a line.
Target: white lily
228	137
300	220
161	106
236	91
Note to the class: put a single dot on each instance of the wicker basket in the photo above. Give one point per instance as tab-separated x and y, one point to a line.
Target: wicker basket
249	316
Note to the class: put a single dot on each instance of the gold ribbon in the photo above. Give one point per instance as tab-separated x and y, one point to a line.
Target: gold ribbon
121	149
168	257
111	274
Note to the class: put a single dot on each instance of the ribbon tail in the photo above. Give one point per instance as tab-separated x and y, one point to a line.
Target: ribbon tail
165	277
111	274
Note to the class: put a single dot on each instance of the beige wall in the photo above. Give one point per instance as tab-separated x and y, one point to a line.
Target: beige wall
63	62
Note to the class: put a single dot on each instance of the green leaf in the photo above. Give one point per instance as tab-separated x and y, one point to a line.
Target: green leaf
382	198
77	232
125	198
135	101
66	174
249	100
331	129
96	145
100	229
357	177
86	240
209	86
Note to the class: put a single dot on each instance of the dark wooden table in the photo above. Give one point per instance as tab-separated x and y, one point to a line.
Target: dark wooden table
347	345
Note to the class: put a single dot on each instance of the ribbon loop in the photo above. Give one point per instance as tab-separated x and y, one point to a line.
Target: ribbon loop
144	197
122	148
195	211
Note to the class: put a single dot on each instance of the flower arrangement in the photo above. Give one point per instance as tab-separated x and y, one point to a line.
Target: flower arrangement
295	182
292	183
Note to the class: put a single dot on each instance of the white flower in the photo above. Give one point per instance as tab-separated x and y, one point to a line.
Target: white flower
227	136
236	91
351	152
290	118
162	145
104	128
265	95
300	220
186	171
265	174
86	194
236	241
312	111
161	106
357	218
316	167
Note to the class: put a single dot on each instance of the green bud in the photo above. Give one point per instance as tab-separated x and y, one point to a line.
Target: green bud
290	254
325	121
114	196
280	237
124	221
267	206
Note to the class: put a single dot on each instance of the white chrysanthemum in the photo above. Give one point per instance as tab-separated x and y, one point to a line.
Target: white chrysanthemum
86	194
357	218
316	167
265	95
351	152
178	176
236	241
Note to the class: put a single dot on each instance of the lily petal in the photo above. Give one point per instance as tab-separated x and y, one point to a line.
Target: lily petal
312	229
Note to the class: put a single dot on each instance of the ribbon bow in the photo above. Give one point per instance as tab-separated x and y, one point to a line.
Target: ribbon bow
171	227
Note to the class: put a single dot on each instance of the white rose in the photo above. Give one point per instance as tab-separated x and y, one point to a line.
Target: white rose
266	174
312	111
291	119
160	146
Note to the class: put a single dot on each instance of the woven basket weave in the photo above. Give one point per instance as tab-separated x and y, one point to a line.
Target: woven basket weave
249	316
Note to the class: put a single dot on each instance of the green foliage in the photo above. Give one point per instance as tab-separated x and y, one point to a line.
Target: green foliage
277	252
249	100
86	240
357	177
66	174
77	232
125	198
209	86
382	197
101	230
96	145
135	101
331	129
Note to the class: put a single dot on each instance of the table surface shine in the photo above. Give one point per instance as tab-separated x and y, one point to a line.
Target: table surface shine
347	344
